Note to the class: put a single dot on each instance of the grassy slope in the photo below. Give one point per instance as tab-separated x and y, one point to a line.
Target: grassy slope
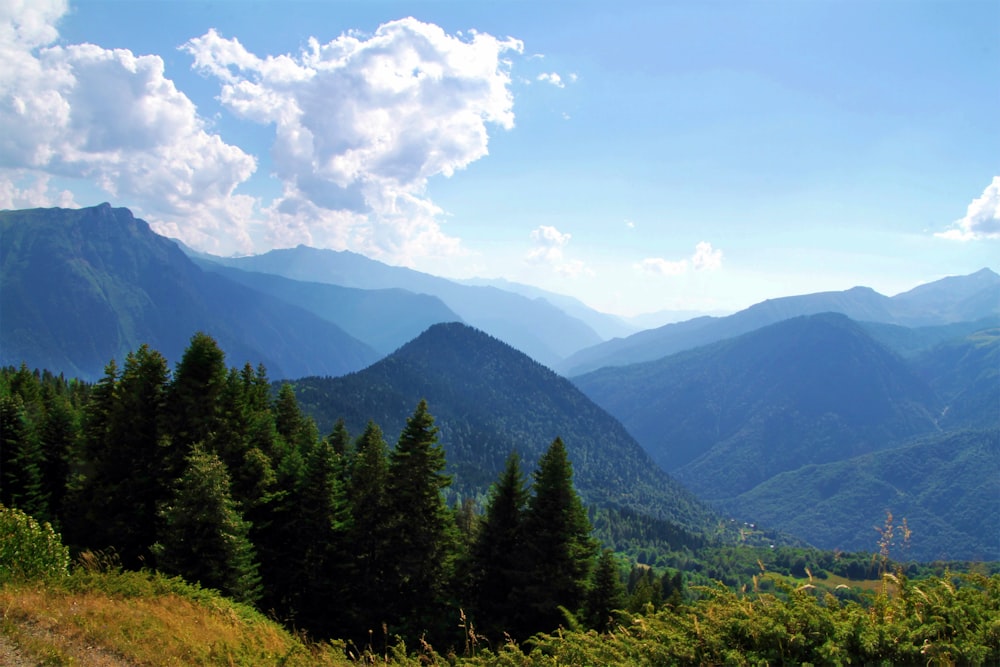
138	618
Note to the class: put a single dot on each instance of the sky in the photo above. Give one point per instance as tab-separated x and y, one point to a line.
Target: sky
640	156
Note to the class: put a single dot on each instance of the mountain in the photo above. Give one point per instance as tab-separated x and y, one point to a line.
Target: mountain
534	326
946	301
965	373
605	325
946	485
83	286
726	417
489	399
812	427
385	319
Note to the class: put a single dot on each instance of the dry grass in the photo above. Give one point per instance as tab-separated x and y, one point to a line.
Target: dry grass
55	624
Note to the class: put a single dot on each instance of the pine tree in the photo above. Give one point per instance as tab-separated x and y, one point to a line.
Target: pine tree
607	593
21	484
204	537
425	535
559	548
199	382
497	558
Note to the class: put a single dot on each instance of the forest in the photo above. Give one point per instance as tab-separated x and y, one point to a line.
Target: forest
215	475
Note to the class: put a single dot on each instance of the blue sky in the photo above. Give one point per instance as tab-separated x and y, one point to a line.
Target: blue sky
638	155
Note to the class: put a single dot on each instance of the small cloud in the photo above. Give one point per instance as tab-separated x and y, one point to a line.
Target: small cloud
573	78
705	258
549	245
662	267
553	78
982	218
630	224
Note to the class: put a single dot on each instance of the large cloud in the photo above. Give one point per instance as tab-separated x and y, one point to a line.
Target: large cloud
111	117
361	124
982	218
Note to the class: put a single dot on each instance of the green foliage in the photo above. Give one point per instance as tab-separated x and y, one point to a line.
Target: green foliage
29	549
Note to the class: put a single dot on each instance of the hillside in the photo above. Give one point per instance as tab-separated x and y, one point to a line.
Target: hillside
532	325
83	286
488	399
947	486
946	301
965	373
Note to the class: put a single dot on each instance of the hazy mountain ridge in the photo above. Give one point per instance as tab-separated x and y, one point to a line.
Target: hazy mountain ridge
946	301
83	286
488	399
741	422
385	318
535	326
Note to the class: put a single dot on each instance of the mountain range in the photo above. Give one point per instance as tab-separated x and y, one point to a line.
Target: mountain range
800	414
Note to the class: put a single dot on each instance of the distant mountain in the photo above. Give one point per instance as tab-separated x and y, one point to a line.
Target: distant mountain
489	399
83	286
605	325
946	486
946	301
385	319
534	326
909	342
726	417
813	428
965	373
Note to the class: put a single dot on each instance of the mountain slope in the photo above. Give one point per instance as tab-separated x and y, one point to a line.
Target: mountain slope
488	399
83	286
383	318
947	486
954	299
728	416
534	326
965	373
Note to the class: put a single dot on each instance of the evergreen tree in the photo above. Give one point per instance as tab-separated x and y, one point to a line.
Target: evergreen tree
204	537
58	435
425	535
371	532
22	459
559	548
607	593
199	382
497	558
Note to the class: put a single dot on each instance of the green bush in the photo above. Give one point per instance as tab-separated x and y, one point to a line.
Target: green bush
28	549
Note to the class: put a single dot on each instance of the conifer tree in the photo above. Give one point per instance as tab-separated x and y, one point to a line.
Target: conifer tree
607	593
22	459
204	538
497	558
559	547
199	381
425	535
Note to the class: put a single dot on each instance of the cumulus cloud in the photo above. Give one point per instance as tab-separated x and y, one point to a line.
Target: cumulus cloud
553	78
113	118
361	124
704	258
549	245
982	218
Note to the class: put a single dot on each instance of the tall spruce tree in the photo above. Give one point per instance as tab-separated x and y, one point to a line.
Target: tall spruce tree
497	557
371	532
199	382
204	538
559	547
425	535
607	594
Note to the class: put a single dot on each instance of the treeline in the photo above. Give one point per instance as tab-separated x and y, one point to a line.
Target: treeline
205	473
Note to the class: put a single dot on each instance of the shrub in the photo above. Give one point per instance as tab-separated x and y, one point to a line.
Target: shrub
28	549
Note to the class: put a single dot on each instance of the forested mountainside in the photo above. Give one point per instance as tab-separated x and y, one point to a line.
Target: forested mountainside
946	301
83	286
737	420
489	399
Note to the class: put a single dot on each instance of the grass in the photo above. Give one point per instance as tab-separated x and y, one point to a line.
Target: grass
140	618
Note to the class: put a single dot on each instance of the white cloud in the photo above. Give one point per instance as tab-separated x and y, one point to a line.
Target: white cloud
549	245
553	78
630	224
20	190
982	218
111	117
361	124
704	258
